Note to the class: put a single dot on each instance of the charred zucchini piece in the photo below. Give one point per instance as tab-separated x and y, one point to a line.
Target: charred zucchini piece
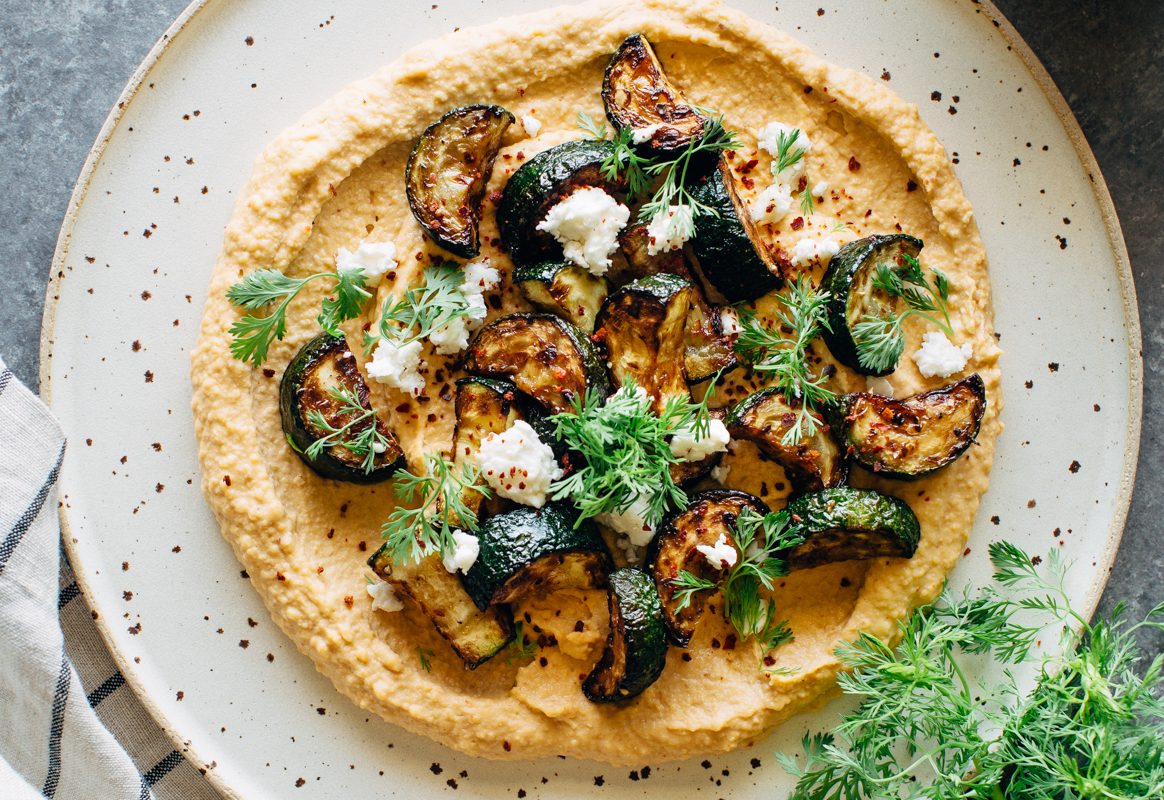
545	356
636	647
475	635
482	406
708	349
447	173
765	417
844	524
708	515
853	295
733	259
643	325
634	242
912	437
637	95
541	183
322	366
535	550
565	289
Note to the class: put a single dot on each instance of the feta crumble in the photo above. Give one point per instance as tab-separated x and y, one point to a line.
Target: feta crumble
880	386
729	321
809	249
371	258
632	522
669	230
518	465
939	356
587	224
397	365
463	554
686	447
720	473
772	204
721	555
644	134
531	124
453	337
384	597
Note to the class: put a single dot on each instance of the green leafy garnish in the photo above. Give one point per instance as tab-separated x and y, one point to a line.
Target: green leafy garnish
786	155
1093	726
880	341
785	355
367	441
625	161
422	309
424	656
522	647
414	533
253	334
757	537
807	203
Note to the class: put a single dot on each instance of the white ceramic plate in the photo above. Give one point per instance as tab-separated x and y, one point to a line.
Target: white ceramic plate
146	224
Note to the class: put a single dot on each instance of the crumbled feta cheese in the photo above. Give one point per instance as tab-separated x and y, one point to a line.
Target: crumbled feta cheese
644	134
632	521
729	321
463	554
629	550
669	230
880	386
686	447
587	224
384	597
720	473
819	188
939	356
809	249
772	204
371	258
453	337
531	124
397	365
721	555
518	465
768	139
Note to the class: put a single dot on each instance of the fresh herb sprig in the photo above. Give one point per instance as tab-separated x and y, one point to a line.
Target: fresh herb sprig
522	648
880	340
1093	726
367	441
422	309
757	538
807	202
438	500
253	334
787	154
783	352
425	655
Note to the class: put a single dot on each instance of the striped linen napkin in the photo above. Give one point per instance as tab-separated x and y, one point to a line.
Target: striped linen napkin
69	728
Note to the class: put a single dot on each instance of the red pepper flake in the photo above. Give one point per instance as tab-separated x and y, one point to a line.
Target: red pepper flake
798	223
854	164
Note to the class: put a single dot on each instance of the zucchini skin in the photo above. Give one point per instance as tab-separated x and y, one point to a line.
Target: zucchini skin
298	395
565	289
636	647
731	257
914	437
815	463
541	183
525	550
848	279
445	160
845	524
545	356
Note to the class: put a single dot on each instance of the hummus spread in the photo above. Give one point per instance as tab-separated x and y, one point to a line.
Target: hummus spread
336	179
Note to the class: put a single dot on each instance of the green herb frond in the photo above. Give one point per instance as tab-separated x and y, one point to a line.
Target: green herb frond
359	434
436	302
880	341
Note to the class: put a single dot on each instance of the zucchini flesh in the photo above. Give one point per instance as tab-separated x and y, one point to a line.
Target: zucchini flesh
447	173
707	349
765	417
733	258
636	647
323	365
637	95
643	325
475	635
853	296
844	524
528	551
708	515
565	289
541	183
912	437
543	355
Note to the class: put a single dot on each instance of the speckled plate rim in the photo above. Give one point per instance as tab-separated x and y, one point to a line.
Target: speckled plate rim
1019	46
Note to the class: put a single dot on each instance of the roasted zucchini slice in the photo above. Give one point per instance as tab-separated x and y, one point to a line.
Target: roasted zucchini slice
844	524
636	647
765	417
708	348
732	257
708	515
643	325
482	406
637	95
321	368
634	241
538	185
853	295
530	551
545	356
475	635
447	173
565	289
912	437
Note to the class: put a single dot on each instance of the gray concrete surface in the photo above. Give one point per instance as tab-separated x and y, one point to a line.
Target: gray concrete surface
64	62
